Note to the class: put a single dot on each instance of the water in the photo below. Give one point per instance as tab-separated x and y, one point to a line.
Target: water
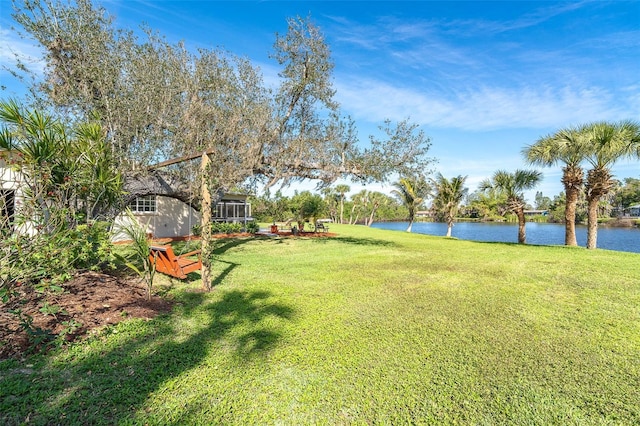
620	239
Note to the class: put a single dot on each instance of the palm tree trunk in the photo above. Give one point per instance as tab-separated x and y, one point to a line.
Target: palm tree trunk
592	222
353	209
373	212
599	183
410	226
570	216
522	235
449	228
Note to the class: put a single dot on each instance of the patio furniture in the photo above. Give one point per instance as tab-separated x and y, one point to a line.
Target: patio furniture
168	263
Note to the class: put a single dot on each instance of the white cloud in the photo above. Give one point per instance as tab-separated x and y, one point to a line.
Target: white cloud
483	107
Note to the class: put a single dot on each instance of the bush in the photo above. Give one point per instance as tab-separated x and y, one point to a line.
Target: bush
225	228
92	249
43	259
87	247
252	227
219	228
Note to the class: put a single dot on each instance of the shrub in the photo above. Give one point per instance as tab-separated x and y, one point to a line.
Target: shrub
55	257
252	227
225	228
138	260
92	249
220	228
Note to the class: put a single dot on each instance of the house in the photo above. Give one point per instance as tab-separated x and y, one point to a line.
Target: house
632	211
421	214
162	216
166	217
536	212
10	189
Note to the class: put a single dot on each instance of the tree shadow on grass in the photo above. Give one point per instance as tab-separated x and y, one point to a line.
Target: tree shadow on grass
525	245
356	241
223	245
222	275
110	379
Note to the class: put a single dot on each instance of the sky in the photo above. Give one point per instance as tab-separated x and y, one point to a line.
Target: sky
482	79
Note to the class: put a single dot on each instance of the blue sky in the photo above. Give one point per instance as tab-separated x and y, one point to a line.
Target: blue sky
483	79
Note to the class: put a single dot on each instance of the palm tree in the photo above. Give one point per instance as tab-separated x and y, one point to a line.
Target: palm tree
342	191
512	186
331	197
608	143
411	192
449	194
378	200
360	202
567	146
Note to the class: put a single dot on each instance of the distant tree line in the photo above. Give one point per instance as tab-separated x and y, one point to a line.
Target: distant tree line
364	207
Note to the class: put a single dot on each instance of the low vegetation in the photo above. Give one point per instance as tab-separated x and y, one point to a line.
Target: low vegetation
371	326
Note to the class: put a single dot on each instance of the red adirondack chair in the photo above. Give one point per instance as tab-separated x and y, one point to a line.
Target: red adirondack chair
177	266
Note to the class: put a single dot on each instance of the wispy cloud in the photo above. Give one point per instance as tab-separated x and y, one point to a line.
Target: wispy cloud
473	27
14	50
482	108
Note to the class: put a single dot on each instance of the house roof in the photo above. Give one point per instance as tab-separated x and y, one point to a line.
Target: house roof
234	197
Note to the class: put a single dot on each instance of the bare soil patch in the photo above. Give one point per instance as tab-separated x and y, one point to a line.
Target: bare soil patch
90	300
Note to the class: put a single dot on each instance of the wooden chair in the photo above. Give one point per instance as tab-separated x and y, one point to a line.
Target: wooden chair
177	266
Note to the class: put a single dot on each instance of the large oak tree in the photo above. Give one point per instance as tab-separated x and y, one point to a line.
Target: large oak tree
160	100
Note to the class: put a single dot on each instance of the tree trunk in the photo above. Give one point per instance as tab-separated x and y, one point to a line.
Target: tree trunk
449	228
570	216
206	223
592	222
410	226
353	209
341	210
598	185
373	212
522	235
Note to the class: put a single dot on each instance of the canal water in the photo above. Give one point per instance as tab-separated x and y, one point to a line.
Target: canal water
619	239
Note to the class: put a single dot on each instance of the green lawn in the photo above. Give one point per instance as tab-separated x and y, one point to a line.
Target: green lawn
372	326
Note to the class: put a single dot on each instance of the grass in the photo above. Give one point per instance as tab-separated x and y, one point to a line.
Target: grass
373	326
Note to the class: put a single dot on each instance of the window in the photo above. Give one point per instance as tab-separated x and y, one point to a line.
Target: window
231	210
143	204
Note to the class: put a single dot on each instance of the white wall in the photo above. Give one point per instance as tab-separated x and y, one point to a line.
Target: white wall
11	179
172	218
8	177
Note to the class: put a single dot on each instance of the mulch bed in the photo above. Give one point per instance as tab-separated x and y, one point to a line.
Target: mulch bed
90	299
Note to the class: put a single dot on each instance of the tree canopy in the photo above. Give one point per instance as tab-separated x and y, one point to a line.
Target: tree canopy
512	186
159	100
412	192
449	193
